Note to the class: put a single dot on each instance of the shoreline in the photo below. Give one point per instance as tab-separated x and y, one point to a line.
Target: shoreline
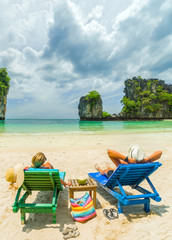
123	119
107	132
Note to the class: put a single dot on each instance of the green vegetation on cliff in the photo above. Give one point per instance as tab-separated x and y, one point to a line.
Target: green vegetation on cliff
106	114
146	98
4	82
93	97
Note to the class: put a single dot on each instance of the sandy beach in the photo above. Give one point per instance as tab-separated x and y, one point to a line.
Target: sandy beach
77	154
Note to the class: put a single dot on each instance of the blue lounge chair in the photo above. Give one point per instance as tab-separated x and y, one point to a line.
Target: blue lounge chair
130	175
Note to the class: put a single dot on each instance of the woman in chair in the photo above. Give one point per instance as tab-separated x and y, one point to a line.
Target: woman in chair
38	161
135	155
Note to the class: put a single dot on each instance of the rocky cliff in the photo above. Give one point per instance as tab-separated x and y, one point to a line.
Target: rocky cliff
3	102
146	99
4	88
90	107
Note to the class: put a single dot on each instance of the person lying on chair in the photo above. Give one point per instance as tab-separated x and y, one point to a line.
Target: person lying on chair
38	161
135	155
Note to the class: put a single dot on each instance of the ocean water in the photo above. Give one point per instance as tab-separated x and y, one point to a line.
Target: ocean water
33	126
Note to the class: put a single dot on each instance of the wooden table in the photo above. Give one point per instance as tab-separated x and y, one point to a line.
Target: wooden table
90	186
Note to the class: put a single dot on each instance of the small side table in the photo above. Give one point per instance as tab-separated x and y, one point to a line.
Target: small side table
90	186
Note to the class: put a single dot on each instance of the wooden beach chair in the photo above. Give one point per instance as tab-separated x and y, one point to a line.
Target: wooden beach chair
39	180
130	175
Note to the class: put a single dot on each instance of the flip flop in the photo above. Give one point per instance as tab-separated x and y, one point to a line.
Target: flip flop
113	210
108	214
72	234
69	229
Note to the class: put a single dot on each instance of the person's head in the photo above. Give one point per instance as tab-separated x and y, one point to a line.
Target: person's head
15	176
38	160
136	152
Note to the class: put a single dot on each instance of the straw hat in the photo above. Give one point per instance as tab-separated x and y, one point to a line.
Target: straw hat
136	152
15	175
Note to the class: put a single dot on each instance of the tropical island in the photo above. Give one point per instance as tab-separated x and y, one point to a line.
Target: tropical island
144	99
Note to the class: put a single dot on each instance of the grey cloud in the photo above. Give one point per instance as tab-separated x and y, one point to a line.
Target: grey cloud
49	78
16	40
164	28
163	64
7	57
20	75
52	72
88	53
71	56
30	54
141	32
48	68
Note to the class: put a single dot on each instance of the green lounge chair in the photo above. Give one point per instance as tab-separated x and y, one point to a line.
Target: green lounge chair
39	180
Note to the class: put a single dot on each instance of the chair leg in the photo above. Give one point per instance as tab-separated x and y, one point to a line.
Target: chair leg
120	210
71	193
147	206
23	216
54	215
94	198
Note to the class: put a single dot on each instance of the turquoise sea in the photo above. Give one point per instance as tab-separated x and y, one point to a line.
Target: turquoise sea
29	126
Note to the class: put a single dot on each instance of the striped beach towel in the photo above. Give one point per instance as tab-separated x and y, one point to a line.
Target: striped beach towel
83	208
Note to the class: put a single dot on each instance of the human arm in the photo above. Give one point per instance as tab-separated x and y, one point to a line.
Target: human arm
155	156
48	166
118	158
131	160
64	183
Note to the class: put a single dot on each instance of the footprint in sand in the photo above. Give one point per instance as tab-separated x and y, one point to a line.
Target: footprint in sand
3	217
8	210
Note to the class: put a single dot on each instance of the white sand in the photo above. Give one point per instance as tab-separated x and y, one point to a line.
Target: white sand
77	154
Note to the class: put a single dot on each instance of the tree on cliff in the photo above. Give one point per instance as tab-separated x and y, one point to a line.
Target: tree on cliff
4	82
93	97
147	98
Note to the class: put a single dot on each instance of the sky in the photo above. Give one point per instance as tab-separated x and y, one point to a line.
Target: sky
56	51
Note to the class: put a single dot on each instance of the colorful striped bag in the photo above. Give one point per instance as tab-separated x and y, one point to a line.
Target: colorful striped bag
83	208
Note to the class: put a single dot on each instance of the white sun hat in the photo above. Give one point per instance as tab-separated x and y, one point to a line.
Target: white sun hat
15	175
136	152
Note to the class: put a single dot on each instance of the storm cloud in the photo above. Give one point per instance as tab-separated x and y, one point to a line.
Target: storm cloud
57	51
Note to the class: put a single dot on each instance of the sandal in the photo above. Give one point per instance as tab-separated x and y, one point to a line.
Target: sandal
72	234
109	213
69	229
113	210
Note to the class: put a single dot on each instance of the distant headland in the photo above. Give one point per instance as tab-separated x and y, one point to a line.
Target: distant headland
144	99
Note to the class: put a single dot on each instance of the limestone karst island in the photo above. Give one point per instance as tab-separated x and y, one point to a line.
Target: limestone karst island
4	88
144	99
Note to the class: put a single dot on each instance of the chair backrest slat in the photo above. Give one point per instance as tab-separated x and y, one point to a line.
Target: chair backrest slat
41	180
135	174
